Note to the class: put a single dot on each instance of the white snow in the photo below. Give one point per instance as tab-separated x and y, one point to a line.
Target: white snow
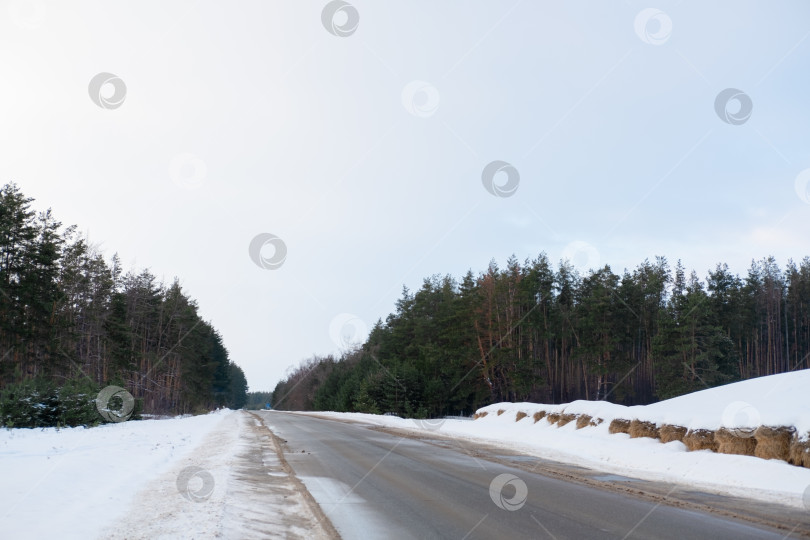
775	400
778	400
86	477
121	481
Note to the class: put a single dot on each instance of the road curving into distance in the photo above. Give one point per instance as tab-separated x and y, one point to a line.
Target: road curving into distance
374	483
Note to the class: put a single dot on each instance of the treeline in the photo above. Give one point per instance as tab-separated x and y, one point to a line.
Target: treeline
530	332
258	400
67	316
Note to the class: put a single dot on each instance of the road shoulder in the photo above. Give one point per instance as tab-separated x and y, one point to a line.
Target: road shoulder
236	484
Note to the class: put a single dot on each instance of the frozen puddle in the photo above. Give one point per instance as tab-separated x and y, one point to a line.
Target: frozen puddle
332	496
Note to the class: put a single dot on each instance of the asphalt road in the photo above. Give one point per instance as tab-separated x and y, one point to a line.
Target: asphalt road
372	484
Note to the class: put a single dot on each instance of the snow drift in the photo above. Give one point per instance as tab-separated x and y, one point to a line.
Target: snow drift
767	417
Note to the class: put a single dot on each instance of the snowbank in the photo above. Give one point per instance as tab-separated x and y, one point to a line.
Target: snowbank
212	476
776	400
74	482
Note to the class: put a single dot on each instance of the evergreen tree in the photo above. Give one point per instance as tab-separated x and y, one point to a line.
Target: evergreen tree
67	315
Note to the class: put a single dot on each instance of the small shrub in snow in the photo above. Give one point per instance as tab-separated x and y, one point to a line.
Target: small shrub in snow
539	415
40	403
520	416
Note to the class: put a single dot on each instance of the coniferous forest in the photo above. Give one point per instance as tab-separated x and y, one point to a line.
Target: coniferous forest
71	320
532	332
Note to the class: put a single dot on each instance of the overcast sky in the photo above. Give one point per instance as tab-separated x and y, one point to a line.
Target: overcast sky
358	138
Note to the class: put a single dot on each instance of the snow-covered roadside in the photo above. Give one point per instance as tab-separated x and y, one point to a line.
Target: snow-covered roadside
778	400
775	400
124	481
72	482
594	447
239	490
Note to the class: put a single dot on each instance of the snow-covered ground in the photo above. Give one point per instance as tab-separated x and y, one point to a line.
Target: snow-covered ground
205	476
195	477
778	400
78	480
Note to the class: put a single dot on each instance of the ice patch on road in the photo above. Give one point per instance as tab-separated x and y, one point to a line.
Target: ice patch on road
358	521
